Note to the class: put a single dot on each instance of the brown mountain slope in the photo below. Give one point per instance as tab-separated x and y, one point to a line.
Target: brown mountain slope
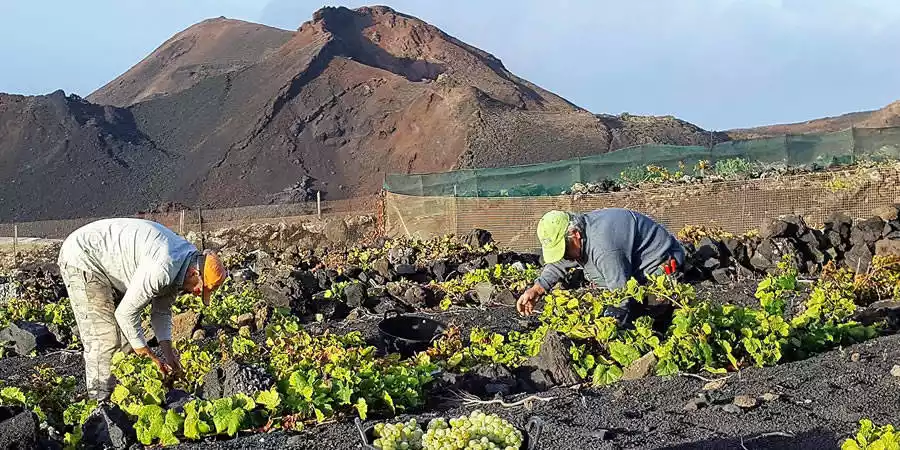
350	96
207	49
64	157
889	116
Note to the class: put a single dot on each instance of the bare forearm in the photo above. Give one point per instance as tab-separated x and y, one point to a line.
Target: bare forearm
168	351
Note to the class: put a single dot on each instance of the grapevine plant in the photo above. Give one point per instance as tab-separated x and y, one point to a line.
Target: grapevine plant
872	437
318	377
702	336
506	276
226	304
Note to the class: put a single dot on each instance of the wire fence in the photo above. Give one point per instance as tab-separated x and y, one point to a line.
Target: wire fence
184	221
735	206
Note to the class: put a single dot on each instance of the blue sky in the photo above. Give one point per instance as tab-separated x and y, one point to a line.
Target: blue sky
718	63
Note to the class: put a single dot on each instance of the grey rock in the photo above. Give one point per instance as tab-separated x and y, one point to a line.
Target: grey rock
504	297
840	222
383	268
859	258
439	270
108	427
184	324
231	378
284	292
887	213
745	401
355	294
176	399
243	275
337	231
835	239
868	230
478	238
774	228
246	320
641	368
701	401
723	275
886	247
491	260
485	293
883	310
731	408
28	337
18	428
199	335
554	359
895	371
405	269
262	261
416	296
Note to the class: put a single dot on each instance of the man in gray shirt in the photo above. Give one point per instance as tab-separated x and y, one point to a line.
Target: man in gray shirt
112	269
612	245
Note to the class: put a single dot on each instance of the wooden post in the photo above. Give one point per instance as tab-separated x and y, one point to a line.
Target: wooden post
181	223
15	245
319	204
200	221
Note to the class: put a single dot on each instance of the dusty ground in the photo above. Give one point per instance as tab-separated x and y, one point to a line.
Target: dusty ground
819	400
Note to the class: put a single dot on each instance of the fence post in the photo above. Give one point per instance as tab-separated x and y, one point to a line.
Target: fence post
852	145
200	221
15	245
319	204
181	223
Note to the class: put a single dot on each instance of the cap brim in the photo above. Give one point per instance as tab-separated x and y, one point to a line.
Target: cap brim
554	253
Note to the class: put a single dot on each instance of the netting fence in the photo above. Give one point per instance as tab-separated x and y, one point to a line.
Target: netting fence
735	206
197	219
550	179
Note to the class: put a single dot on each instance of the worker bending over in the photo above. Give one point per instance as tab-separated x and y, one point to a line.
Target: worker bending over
612	245
112	269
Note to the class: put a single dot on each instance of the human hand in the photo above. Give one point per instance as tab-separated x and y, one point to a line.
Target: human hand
160	364
525	304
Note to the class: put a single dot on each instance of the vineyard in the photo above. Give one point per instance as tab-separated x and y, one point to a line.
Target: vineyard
782	338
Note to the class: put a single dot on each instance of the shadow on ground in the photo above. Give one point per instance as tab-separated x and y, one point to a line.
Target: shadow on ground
812	440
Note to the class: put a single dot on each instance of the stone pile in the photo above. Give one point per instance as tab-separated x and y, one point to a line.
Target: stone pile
846	242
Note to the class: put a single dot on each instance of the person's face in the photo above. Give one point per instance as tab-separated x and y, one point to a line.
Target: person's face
193	284
573	246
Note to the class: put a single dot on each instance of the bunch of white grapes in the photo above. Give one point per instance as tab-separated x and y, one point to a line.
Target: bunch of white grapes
398	436
477	431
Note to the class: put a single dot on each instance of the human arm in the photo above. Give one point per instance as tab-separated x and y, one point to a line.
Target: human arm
550	275
161	321
147	282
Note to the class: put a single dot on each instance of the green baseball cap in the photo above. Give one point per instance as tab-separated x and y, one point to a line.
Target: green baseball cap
551	232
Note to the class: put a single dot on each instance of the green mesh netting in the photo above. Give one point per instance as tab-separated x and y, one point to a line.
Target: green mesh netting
554	178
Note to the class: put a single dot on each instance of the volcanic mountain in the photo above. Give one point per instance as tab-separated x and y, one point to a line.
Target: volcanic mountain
230	113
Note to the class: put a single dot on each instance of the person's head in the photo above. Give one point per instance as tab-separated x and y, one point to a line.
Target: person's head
204	276
560	236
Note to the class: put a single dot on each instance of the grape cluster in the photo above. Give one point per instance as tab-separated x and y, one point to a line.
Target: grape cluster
478	431
399	436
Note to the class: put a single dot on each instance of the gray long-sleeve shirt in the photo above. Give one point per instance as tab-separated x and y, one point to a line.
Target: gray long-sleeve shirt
618	244
144	261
